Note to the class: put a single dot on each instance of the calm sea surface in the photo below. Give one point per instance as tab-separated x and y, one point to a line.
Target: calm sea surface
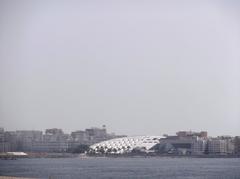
166	168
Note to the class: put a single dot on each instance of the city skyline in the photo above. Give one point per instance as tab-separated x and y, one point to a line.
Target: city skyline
99	141
140	68
116	133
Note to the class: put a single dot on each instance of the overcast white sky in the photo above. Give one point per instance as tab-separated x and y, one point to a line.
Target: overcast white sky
139	67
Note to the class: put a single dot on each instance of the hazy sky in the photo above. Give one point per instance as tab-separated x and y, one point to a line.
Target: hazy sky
139	67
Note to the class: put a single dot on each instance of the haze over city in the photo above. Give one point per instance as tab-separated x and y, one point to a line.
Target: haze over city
140	68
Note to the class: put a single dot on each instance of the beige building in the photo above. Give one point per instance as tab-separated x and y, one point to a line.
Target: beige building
217	146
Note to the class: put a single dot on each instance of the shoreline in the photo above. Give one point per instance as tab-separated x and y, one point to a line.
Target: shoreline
9	177
160	156
83	155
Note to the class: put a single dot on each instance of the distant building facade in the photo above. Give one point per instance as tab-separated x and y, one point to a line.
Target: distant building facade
26	138
90	136
184	143
237	145
202	134
217	146
2	140
53	140
221	145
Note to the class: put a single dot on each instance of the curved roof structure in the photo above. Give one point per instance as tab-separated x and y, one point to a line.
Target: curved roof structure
126	144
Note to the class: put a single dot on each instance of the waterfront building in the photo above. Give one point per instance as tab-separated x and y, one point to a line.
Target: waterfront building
11	142
198	146
29	135
175	145
80	137
90	136
237	145
50	146
2	140
96	134
54	140
184	143
55	135
125	145
217	146
25	139
221	145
